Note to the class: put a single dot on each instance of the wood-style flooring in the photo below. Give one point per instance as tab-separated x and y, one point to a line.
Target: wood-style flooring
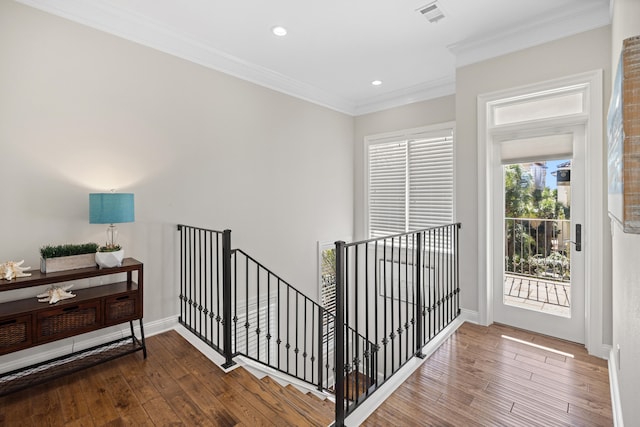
479	378
175	386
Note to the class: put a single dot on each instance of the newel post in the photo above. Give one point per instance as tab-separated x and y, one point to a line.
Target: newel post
226	298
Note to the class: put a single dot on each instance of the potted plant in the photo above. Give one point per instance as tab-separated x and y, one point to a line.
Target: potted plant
109	255
67	257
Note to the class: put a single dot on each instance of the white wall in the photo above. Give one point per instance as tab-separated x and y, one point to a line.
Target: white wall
439	110
572	55
626	269
83	111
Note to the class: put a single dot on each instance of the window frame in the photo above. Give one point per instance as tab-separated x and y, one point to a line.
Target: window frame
399	136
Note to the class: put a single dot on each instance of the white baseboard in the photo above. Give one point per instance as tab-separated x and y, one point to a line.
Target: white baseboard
42	353
616	404
469	316
367	408
203	348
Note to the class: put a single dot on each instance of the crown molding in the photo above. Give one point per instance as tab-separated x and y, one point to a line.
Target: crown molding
106	17
433	89
562	24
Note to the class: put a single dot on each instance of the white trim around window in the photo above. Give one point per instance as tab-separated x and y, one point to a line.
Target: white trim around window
425	155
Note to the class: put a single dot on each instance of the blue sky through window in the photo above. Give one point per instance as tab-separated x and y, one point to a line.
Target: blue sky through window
552	166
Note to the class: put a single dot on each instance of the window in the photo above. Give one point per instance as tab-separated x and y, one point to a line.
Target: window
410	180
328	289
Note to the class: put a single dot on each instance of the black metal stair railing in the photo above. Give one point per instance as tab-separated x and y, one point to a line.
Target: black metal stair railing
239	307
393	296
277	325
398	292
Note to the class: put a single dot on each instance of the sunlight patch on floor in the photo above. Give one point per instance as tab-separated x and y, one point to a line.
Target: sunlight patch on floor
553	350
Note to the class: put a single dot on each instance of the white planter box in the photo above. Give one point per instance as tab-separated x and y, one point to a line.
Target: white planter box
51	265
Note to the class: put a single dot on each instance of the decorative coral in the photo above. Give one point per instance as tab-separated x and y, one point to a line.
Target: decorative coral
12	269
55	294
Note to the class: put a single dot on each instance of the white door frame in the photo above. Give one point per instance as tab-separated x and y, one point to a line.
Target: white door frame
593	235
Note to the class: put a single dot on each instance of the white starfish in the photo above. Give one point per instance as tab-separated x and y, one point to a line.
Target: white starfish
12	269
55	294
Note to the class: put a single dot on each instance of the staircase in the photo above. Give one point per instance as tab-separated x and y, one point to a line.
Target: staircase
393	296
240	396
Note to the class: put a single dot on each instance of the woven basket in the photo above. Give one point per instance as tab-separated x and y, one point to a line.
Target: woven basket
12	334
64	322
121	309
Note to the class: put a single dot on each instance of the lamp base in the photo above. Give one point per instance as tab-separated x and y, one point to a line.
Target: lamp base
110	259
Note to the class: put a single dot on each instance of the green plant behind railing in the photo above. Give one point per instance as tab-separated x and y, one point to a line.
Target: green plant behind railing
55	251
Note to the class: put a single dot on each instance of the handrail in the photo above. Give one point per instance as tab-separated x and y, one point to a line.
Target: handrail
395	236
181	226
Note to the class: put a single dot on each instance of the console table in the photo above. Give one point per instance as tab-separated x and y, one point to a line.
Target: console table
27	323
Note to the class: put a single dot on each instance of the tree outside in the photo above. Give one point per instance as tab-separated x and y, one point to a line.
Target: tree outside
534	225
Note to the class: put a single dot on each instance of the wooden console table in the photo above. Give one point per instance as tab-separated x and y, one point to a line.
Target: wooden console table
27	323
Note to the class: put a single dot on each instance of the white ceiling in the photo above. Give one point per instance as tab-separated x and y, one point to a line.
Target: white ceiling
335	48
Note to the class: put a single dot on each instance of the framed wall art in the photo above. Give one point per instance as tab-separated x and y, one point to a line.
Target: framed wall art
623	129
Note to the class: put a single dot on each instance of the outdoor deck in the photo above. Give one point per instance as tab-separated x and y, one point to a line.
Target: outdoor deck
537	294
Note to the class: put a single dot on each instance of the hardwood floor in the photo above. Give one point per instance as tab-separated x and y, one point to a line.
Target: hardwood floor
479	378
175	386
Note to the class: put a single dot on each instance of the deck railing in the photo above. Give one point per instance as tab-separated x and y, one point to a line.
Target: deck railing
538	248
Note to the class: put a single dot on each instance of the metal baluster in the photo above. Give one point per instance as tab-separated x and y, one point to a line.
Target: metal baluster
434	283
304	341
345	326
356	342
269	336
320	349
278	340
406	293
219	260
246	305
367	347
339	335
392	335
297	349
199	302
417	248
258	304
376	286
288	344
384	306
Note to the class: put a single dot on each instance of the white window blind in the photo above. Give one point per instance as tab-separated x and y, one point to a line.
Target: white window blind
410	183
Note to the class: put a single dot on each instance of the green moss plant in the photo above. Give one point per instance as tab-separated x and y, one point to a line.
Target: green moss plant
51	251
109	248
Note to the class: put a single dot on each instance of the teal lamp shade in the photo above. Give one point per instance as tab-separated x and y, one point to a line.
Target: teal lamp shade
111	208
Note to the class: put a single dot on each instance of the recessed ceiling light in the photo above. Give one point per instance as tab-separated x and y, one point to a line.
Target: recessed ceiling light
376	82
279	31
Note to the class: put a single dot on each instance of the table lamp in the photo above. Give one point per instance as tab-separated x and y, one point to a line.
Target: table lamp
111	208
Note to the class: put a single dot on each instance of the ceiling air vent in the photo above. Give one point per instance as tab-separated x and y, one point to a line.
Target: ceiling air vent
432	12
